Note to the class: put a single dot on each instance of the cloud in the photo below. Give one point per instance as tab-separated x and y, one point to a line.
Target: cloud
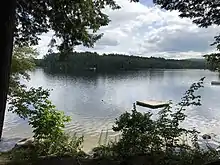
181	39
146	30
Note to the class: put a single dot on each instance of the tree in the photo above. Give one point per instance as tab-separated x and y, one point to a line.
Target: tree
34	105
22	62
203	13
86	61
7	28
74	22
213	61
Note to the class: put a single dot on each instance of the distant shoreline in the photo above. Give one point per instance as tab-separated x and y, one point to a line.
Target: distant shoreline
92	62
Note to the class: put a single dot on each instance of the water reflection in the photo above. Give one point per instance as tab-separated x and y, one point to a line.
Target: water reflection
95	100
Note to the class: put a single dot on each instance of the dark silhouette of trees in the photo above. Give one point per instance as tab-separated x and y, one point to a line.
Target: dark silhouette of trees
89	61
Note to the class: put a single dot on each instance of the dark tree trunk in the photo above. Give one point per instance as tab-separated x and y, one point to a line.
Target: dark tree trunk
6	33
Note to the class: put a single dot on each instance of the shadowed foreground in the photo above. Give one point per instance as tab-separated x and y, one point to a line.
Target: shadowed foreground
135	160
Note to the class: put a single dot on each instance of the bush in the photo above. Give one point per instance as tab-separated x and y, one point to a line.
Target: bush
142	134
48	125
65	145
33	105
103	151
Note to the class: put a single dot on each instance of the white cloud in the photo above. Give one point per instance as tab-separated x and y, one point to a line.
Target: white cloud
149	31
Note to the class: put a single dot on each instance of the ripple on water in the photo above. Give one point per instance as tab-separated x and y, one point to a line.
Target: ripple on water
92	115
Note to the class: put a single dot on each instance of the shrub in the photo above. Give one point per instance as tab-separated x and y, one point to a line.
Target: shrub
65	145
48	125
142	134
33	104
104	151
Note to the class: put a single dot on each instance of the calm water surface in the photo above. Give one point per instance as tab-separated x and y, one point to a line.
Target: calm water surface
94	101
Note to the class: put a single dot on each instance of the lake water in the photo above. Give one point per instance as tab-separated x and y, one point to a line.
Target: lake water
94	101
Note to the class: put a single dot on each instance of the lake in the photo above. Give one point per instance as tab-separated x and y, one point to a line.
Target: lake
94	101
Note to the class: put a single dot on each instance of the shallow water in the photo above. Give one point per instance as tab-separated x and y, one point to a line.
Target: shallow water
94	101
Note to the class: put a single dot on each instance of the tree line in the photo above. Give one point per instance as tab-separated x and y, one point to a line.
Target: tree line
92	61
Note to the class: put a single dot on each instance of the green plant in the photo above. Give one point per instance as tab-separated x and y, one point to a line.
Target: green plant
22	62
65	145
137	130
33	104
23	154
142	134
104	151
48	124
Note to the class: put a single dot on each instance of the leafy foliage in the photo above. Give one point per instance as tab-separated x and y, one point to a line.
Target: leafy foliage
162	139
83	61
22	62
47	123
213	61
104	151
33	105
142	134
65	145
74	22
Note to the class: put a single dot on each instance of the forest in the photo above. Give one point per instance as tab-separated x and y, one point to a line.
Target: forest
89	61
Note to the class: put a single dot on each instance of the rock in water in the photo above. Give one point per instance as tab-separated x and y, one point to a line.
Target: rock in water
26	142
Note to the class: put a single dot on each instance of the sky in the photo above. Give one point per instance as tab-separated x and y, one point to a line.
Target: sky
144	29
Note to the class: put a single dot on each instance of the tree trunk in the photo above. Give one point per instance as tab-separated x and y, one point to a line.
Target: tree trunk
6	31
